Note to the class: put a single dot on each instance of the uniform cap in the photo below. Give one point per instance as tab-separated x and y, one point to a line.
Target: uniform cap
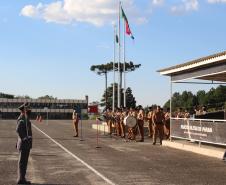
24	106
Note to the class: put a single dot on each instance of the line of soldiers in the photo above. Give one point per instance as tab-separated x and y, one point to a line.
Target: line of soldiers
180	113
158	123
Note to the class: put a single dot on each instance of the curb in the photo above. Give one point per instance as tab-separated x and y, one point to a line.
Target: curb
102	127
210	152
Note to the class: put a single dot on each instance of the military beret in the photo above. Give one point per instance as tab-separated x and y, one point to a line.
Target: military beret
24	106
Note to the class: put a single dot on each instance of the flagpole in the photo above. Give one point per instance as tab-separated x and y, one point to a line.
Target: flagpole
113	100
124	58
119	57
126	31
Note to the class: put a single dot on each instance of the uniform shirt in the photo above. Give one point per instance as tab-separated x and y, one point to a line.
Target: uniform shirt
140	116
180	115
130	113
167	116
150	114
75	116
108	116
24	133
158	118
122	116
134	114
117	117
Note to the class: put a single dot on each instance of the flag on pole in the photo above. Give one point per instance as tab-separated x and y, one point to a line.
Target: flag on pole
128	30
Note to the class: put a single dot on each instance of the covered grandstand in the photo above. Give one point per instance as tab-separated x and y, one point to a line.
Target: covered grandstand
211	70
55	108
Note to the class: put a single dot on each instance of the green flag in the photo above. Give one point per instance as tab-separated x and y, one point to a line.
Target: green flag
116	38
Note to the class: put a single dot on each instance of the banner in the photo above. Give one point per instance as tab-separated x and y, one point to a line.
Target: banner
200	130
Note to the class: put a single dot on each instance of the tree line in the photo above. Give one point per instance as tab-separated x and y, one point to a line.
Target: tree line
10	96
108	95
213	100
104	69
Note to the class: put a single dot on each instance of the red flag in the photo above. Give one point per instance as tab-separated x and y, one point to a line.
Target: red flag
128	31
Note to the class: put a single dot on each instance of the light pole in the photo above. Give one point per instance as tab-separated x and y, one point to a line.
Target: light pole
106	85
47	115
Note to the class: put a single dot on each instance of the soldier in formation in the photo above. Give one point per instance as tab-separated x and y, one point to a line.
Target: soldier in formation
158	123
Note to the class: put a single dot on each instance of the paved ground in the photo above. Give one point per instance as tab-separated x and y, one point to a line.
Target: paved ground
69	161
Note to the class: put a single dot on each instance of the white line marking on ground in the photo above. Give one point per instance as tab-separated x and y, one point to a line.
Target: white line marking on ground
35	177
77	158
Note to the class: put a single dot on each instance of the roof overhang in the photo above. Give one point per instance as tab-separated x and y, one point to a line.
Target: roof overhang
212	68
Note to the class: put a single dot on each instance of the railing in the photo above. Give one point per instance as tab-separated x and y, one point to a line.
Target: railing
8	110
202	130
15	100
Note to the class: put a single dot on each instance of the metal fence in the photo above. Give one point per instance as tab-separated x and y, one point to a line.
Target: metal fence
202	130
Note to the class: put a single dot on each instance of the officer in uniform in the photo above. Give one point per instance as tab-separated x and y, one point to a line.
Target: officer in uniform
75	120
158	121
140	122
109	121
149	118
131	131
167	123
122	125
24	143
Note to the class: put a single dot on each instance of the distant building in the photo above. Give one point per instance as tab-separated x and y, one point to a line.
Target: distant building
56	108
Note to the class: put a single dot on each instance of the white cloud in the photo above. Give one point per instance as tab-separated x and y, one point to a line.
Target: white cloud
191	5
55	12
216	1
28	11
31	11
186	6
96	12
157	2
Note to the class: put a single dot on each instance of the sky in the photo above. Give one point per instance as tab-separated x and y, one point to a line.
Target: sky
48	46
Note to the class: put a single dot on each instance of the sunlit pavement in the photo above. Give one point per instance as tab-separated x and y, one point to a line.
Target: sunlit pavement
59	158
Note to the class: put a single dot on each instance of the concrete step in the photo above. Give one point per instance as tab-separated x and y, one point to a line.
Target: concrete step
203	149
210	151
103	127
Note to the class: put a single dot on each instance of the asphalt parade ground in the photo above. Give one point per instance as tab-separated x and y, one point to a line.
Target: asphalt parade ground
57	158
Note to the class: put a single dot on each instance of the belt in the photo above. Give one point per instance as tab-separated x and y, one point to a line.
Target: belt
159	123
26	138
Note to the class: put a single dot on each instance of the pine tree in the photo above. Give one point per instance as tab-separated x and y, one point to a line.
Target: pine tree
130	99
104	69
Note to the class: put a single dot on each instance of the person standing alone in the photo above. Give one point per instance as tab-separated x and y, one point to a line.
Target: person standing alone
24	143
158	125
75	120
